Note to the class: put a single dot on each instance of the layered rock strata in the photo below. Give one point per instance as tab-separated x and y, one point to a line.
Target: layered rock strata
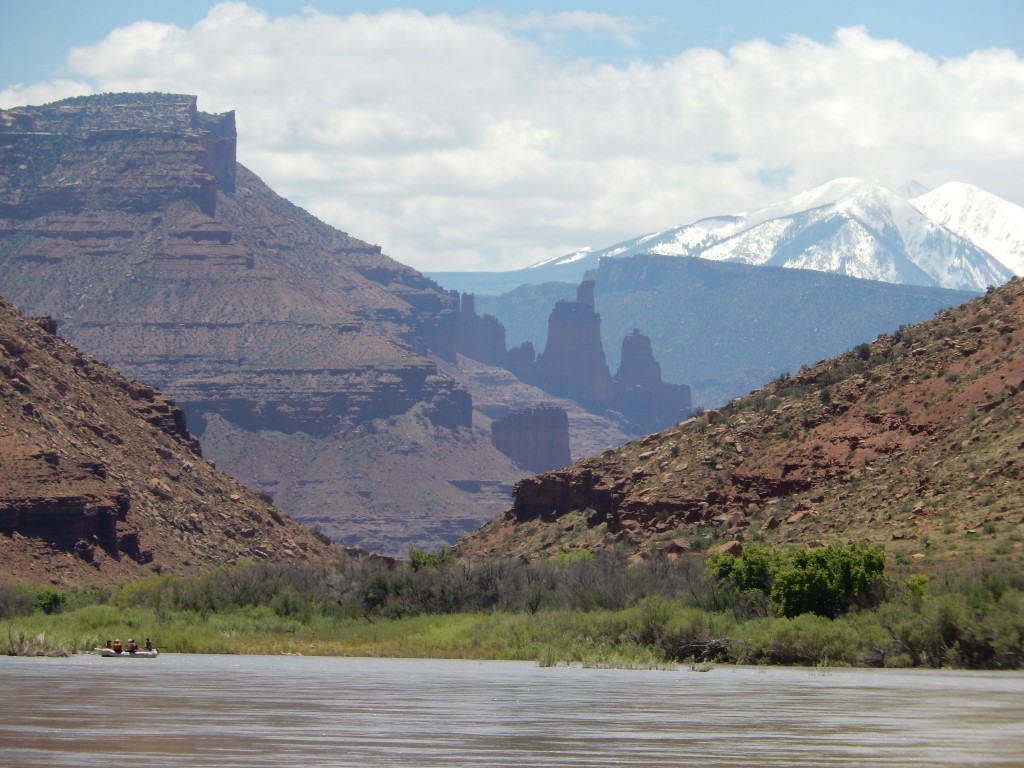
101	482
126	217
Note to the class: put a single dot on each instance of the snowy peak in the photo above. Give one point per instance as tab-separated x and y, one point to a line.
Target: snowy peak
825	194
956	236
986	220
911	189
582	253
853	228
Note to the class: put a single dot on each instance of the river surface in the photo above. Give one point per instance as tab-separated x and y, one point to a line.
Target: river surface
270	711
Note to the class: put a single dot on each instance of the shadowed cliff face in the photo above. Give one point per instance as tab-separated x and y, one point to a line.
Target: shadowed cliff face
126	217
912	441
536	438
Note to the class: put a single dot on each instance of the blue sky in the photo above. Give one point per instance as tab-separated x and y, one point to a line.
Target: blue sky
36	34
461	135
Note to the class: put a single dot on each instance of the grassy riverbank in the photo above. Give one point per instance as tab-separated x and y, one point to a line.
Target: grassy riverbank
584	611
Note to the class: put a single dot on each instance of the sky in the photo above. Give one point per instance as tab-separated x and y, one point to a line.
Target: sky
470	136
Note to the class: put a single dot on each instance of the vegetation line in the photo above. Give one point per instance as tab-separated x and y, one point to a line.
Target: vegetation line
833	606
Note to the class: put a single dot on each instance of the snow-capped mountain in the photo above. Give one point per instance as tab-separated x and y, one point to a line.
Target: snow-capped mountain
956	236
979	216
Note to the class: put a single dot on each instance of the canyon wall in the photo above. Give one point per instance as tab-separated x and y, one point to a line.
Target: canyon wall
127	218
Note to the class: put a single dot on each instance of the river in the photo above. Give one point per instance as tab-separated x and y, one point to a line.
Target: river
270	711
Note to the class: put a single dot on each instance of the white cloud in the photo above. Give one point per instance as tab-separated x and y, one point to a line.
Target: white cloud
467	142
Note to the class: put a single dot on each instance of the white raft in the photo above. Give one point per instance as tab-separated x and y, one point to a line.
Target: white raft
139	654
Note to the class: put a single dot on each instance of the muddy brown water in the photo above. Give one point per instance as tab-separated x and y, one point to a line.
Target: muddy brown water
220	711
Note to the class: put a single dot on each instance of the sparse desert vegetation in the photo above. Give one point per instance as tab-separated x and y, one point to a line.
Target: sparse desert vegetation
580	608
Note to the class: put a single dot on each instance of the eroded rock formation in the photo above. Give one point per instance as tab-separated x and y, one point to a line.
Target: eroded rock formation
651	403
573	364
481	337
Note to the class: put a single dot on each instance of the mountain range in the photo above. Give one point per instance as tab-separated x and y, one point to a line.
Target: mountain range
310	365
882	258
956	236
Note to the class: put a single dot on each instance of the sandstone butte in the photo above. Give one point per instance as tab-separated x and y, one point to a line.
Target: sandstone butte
310	365
101	484
913	441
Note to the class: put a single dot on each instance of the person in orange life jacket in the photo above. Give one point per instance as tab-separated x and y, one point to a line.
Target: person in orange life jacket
117	646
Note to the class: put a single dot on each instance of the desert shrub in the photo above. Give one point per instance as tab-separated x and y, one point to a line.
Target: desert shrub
693	634
809	639
578	582
1003	628
975	625
15	601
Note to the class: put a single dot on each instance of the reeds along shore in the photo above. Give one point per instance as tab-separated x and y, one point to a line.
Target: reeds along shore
574	609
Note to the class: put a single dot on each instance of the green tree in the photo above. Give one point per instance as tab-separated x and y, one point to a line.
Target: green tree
419	559
753	571
827	582
50	600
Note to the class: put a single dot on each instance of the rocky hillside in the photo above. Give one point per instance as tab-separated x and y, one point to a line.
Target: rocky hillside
913	441
101	483
300	354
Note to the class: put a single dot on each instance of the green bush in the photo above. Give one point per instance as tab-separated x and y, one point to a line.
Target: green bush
419	558
49	600
15	601
830	581
827	582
